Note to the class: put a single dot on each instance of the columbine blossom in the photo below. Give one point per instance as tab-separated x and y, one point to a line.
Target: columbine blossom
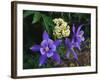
77	37
70	48
47	49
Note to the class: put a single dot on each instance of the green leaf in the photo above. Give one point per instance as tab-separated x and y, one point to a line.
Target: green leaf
27	13
36	17
48	23
45	19
62	50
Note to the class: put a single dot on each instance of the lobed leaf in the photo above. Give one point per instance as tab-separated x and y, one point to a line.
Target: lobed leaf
36	17
27	13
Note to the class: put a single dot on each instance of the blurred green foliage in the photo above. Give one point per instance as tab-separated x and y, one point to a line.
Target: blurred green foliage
35	22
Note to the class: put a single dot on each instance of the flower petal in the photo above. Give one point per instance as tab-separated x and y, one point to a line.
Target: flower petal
42	60
50	42
73	28
67	54
77	45
45	35
57	42
52	47
78	39
35	48
82	38
42	51
44	43
68	43
81	33
78	30
56	57
73	39
49	54
75	55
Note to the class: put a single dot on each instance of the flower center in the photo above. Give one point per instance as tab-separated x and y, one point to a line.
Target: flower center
46	49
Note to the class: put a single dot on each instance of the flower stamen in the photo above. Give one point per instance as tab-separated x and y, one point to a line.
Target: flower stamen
46	48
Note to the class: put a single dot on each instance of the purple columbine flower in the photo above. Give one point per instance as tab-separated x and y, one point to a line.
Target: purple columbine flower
77	36
70	48
47	49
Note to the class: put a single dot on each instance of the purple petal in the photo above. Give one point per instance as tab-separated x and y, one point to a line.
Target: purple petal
57	42
44	43
52	47
73	28
42	60
78	30
82	38
77	45
45	35
50	42
35	48
56	57
49	54
73	39
42	51
75	55
67	54
78	39
68	43
81	33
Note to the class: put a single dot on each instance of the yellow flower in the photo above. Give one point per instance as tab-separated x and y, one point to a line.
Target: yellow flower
58	29
57	34
64	24
59	22
66	33
68	27
62	29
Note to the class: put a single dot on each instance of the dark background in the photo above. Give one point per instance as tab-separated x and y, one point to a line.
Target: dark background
35	22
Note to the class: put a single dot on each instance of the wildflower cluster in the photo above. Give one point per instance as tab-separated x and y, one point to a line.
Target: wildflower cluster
48	46
62	29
